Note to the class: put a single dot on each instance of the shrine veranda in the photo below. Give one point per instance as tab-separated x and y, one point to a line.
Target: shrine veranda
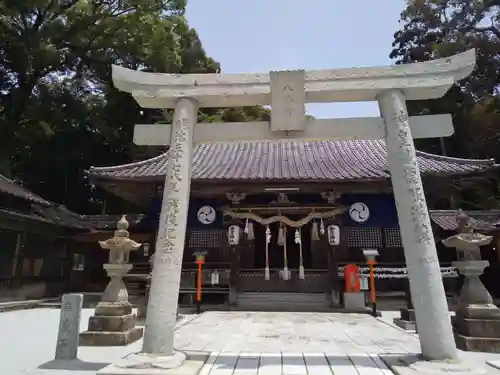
241	267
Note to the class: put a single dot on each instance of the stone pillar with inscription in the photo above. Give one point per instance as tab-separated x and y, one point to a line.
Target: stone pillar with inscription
165	279
69	327
426	284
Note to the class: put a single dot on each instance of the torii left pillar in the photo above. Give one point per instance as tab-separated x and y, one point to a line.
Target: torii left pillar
167	265
157	351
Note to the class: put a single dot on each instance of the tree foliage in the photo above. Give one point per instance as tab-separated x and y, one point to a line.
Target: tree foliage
59	113
440	28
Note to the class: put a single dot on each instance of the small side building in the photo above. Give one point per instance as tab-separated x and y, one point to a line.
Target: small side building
35	255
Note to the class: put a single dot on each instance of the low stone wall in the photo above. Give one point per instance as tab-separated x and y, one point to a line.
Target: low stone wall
21	290
19	305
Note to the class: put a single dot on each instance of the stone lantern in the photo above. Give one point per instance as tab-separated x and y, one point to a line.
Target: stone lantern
113	322
477	319
119	246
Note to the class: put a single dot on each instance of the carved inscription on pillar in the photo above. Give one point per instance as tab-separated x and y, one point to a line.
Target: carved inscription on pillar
173	185
412	180
167	263
431	310
419	214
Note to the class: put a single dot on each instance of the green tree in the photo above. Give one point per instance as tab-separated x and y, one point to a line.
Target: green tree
45	40
59	113
440	28
58	110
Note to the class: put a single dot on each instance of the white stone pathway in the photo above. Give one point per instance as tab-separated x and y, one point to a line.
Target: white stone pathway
267	343
293	364
270	332
240	343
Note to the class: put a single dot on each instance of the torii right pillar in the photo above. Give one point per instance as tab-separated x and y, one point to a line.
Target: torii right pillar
424	274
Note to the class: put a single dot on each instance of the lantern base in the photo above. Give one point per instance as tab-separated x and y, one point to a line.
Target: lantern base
355	301
113	324
406	320
405	324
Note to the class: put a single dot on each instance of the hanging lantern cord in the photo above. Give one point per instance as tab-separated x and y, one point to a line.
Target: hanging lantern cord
268	239
285	258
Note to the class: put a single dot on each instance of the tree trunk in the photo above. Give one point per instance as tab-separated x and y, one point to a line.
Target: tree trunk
5	162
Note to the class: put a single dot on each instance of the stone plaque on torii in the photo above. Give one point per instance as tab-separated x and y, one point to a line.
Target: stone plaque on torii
287	92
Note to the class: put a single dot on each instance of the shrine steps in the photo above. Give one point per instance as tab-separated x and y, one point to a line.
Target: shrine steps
136	290
296	302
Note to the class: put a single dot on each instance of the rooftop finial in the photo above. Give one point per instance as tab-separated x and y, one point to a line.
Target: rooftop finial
122	223
464	222
121	227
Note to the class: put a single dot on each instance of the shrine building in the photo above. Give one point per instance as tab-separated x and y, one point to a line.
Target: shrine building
316	185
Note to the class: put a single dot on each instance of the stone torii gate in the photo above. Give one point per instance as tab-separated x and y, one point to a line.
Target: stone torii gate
287	92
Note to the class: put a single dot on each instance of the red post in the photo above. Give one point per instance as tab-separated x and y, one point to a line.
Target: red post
372	282
198	284
372	262
200	260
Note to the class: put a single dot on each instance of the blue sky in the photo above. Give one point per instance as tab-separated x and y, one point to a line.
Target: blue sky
263	35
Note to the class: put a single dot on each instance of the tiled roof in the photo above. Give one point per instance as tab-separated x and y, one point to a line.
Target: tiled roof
9	187
59	215
22	215
49	212
290	160
110	221
484	220
40	209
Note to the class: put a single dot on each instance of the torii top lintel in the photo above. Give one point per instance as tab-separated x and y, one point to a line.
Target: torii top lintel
418	81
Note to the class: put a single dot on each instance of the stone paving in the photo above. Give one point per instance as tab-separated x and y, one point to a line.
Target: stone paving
271	332
240	343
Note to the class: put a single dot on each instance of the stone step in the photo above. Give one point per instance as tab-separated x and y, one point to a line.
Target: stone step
136	292
284	297
134	287
133	283
316	302
286	308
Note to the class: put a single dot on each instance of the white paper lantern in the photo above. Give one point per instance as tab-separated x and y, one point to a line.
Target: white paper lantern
214	278
363	282
333	235
233	235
